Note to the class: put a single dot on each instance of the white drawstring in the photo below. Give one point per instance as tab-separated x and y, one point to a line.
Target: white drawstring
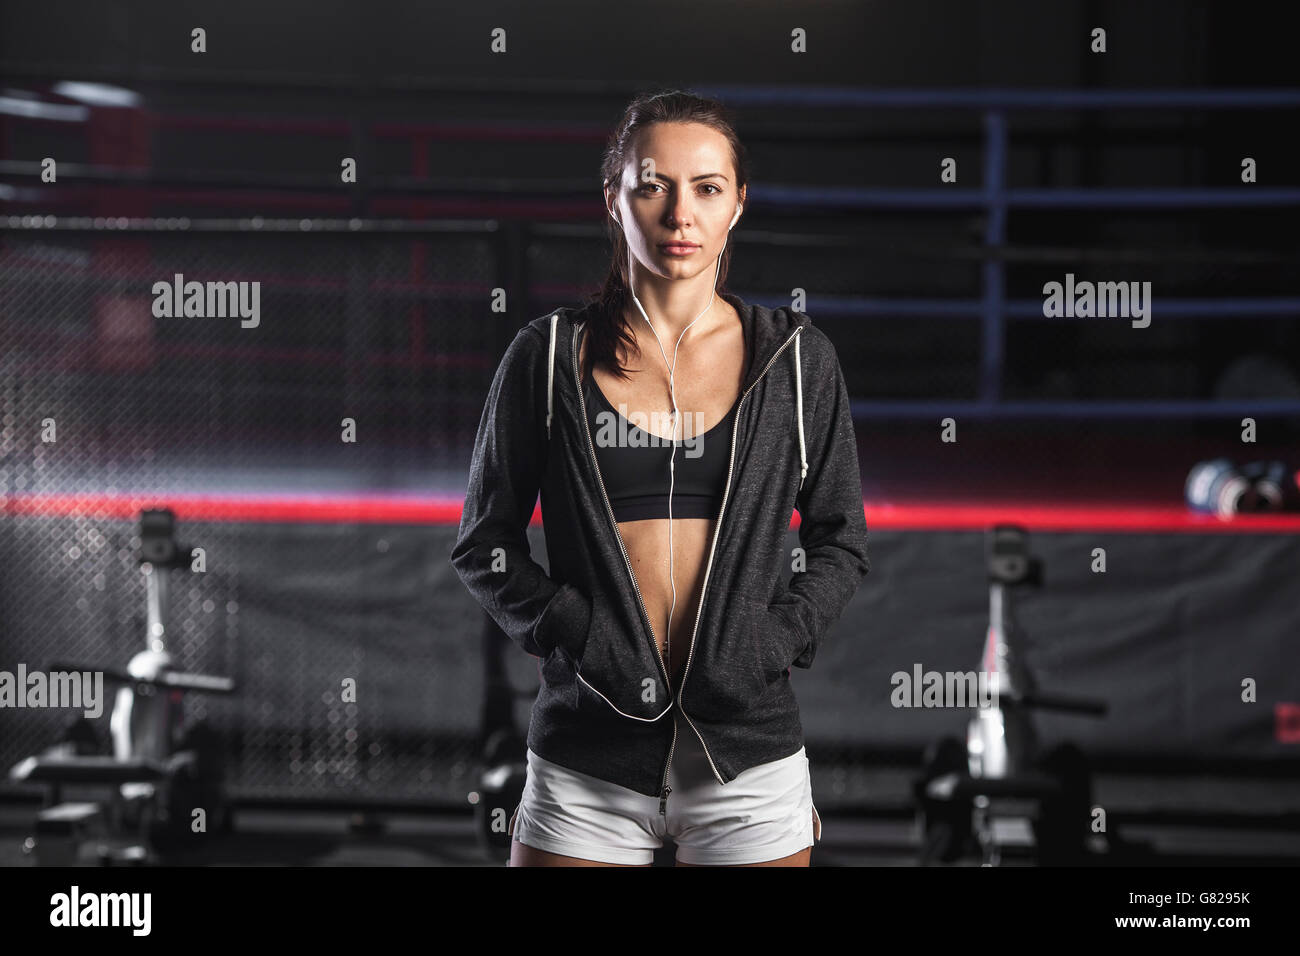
550	375
798	401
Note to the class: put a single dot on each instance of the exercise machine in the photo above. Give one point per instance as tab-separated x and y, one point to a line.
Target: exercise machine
503	748
161	768
998	793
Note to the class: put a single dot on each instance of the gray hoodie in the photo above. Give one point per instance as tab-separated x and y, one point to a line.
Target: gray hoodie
604	708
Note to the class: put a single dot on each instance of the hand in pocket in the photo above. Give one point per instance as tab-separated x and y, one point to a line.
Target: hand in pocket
776	637
566	622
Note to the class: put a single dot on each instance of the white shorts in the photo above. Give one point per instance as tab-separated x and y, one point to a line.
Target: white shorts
766	813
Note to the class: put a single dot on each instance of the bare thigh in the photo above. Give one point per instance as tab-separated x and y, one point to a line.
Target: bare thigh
521	855
802	858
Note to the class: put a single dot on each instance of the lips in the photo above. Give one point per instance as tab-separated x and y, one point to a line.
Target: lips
679	247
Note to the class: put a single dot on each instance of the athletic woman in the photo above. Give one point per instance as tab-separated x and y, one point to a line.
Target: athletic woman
672	430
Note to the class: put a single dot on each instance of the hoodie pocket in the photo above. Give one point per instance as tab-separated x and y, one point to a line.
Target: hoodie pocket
618	674
769	643
566	622
749	658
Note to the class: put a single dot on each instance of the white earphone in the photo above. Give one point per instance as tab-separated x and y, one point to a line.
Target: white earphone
672	368
739	208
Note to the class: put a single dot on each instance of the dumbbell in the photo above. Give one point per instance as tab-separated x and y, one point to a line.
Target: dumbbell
1276	489
1061	829
1217	487
943	817
501	787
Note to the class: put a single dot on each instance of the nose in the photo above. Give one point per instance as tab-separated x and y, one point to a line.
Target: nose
680	210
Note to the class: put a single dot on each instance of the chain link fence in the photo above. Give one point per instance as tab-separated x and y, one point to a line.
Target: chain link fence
111	408
108	406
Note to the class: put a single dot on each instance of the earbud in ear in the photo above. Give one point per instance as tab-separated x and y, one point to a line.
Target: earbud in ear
739	207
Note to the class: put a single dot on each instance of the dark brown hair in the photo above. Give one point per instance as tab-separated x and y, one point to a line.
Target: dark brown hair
607	324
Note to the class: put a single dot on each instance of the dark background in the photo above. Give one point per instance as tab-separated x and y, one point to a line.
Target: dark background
480	171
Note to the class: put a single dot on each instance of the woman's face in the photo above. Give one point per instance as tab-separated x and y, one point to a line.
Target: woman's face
685	192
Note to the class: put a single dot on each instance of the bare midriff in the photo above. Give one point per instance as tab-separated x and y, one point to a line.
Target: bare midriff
707	382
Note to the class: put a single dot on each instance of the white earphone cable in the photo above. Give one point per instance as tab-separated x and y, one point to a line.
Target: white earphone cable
672	394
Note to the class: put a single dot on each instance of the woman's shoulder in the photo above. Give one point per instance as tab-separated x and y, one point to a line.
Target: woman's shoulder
816	349
812	340
563	316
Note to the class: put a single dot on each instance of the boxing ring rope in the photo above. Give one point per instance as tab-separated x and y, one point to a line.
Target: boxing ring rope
995	200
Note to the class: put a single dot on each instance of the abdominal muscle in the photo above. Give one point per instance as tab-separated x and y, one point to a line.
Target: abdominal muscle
646	542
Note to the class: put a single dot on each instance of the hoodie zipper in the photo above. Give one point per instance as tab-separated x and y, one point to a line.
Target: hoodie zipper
582	405
664	789
735	430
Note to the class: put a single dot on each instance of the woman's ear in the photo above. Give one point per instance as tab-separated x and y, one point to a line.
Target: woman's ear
611	205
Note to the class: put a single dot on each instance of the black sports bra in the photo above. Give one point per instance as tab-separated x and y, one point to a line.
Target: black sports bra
635	473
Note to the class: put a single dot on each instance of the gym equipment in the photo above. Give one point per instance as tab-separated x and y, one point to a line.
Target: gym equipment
504	749
1217	487
501	787
980	796
1275	489
161	767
